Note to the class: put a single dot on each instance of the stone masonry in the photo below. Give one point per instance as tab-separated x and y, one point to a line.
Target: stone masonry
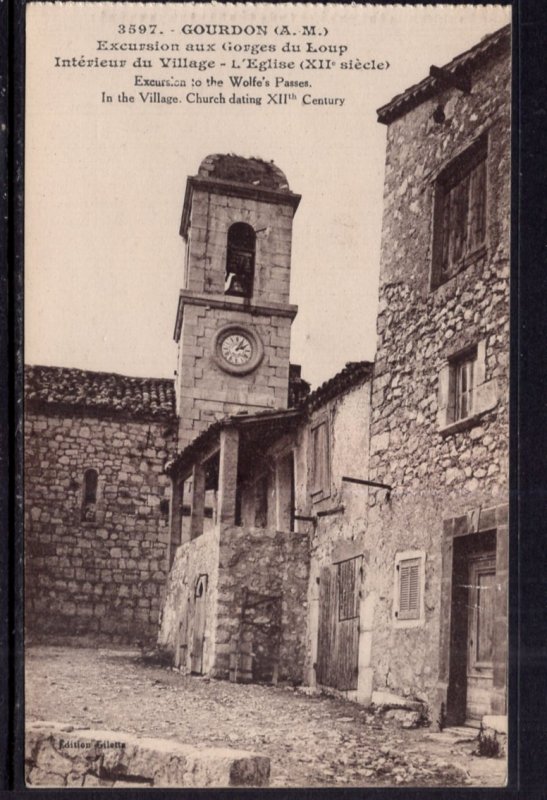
98	578
438	474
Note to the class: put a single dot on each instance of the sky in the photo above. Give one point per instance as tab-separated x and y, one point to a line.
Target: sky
104	183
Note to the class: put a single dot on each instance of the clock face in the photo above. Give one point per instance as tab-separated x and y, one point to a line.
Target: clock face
236	349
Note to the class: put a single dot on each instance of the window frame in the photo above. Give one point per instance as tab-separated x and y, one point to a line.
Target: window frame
454	174
462	386
88	504
486	393
409	558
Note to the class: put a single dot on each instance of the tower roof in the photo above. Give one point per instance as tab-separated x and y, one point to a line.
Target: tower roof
229	174
237	169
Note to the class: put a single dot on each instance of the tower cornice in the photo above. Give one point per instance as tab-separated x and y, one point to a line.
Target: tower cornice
189	297
233	189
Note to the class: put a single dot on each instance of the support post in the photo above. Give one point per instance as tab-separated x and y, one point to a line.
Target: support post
227	479
198	501
175	516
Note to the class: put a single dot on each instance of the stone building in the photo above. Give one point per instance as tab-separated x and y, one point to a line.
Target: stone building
96	503
243	598
437	569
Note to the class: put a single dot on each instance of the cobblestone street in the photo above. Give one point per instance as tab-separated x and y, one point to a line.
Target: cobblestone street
311	740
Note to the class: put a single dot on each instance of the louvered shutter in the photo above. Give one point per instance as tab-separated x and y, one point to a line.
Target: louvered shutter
409	589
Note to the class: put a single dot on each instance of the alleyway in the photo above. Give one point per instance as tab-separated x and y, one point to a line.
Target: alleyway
311	741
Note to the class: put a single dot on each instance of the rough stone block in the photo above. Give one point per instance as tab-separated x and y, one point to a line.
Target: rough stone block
58	755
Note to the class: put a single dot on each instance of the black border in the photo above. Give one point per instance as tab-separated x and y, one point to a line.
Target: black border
528	651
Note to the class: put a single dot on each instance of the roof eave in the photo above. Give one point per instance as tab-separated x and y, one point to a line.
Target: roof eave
418	93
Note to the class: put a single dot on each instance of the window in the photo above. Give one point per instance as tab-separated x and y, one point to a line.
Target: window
240	260
89	499
320	472
460	213
349	581
462	389
409	588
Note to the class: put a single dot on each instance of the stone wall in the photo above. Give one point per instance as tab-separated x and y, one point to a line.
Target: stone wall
436	475
99	579
192	559
238	562
264	562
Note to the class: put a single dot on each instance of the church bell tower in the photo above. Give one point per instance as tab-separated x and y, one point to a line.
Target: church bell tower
234	317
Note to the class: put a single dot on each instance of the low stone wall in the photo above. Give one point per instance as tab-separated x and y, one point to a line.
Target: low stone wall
59	755
264	563
193	559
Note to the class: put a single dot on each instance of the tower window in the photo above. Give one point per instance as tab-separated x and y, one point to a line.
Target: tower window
89	502
240	260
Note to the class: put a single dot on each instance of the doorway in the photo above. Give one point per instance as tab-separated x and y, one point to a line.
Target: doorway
338	634
480	668
474	587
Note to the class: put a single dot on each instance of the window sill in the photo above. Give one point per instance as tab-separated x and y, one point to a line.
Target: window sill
408	623
461	424
468	261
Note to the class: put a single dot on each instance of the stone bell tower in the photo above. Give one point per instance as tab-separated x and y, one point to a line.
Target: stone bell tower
234	317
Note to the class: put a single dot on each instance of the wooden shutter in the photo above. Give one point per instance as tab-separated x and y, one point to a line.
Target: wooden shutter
327	627
320	459
409	589
477	206
460	224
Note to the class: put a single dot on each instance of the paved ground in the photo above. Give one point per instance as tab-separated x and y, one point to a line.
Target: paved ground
311	740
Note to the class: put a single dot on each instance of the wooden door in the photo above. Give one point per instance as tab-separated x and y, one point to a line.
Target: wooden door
200	599
482	587
338	635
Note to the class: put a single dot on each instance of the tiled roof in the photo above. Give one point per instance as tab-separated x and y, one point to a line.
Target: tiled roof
271	416
353	373
238	169
488	46
99	391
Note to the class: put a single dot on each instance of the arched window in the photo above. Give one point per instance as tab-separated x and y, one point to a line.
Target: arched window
89	500
240	260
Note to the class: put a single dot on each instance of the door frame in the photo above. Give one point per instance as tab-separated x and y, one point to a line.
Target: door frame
475	521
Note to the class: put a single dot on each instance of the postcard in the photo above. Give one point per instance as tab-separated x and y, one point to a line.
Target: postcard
267	275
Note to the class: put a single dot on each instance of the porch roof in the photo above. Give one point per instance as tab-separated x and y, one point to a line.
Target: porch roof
263	427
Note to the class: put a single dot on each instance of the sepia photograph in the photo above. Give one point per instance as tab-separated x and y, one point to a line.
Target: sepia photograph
266	482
